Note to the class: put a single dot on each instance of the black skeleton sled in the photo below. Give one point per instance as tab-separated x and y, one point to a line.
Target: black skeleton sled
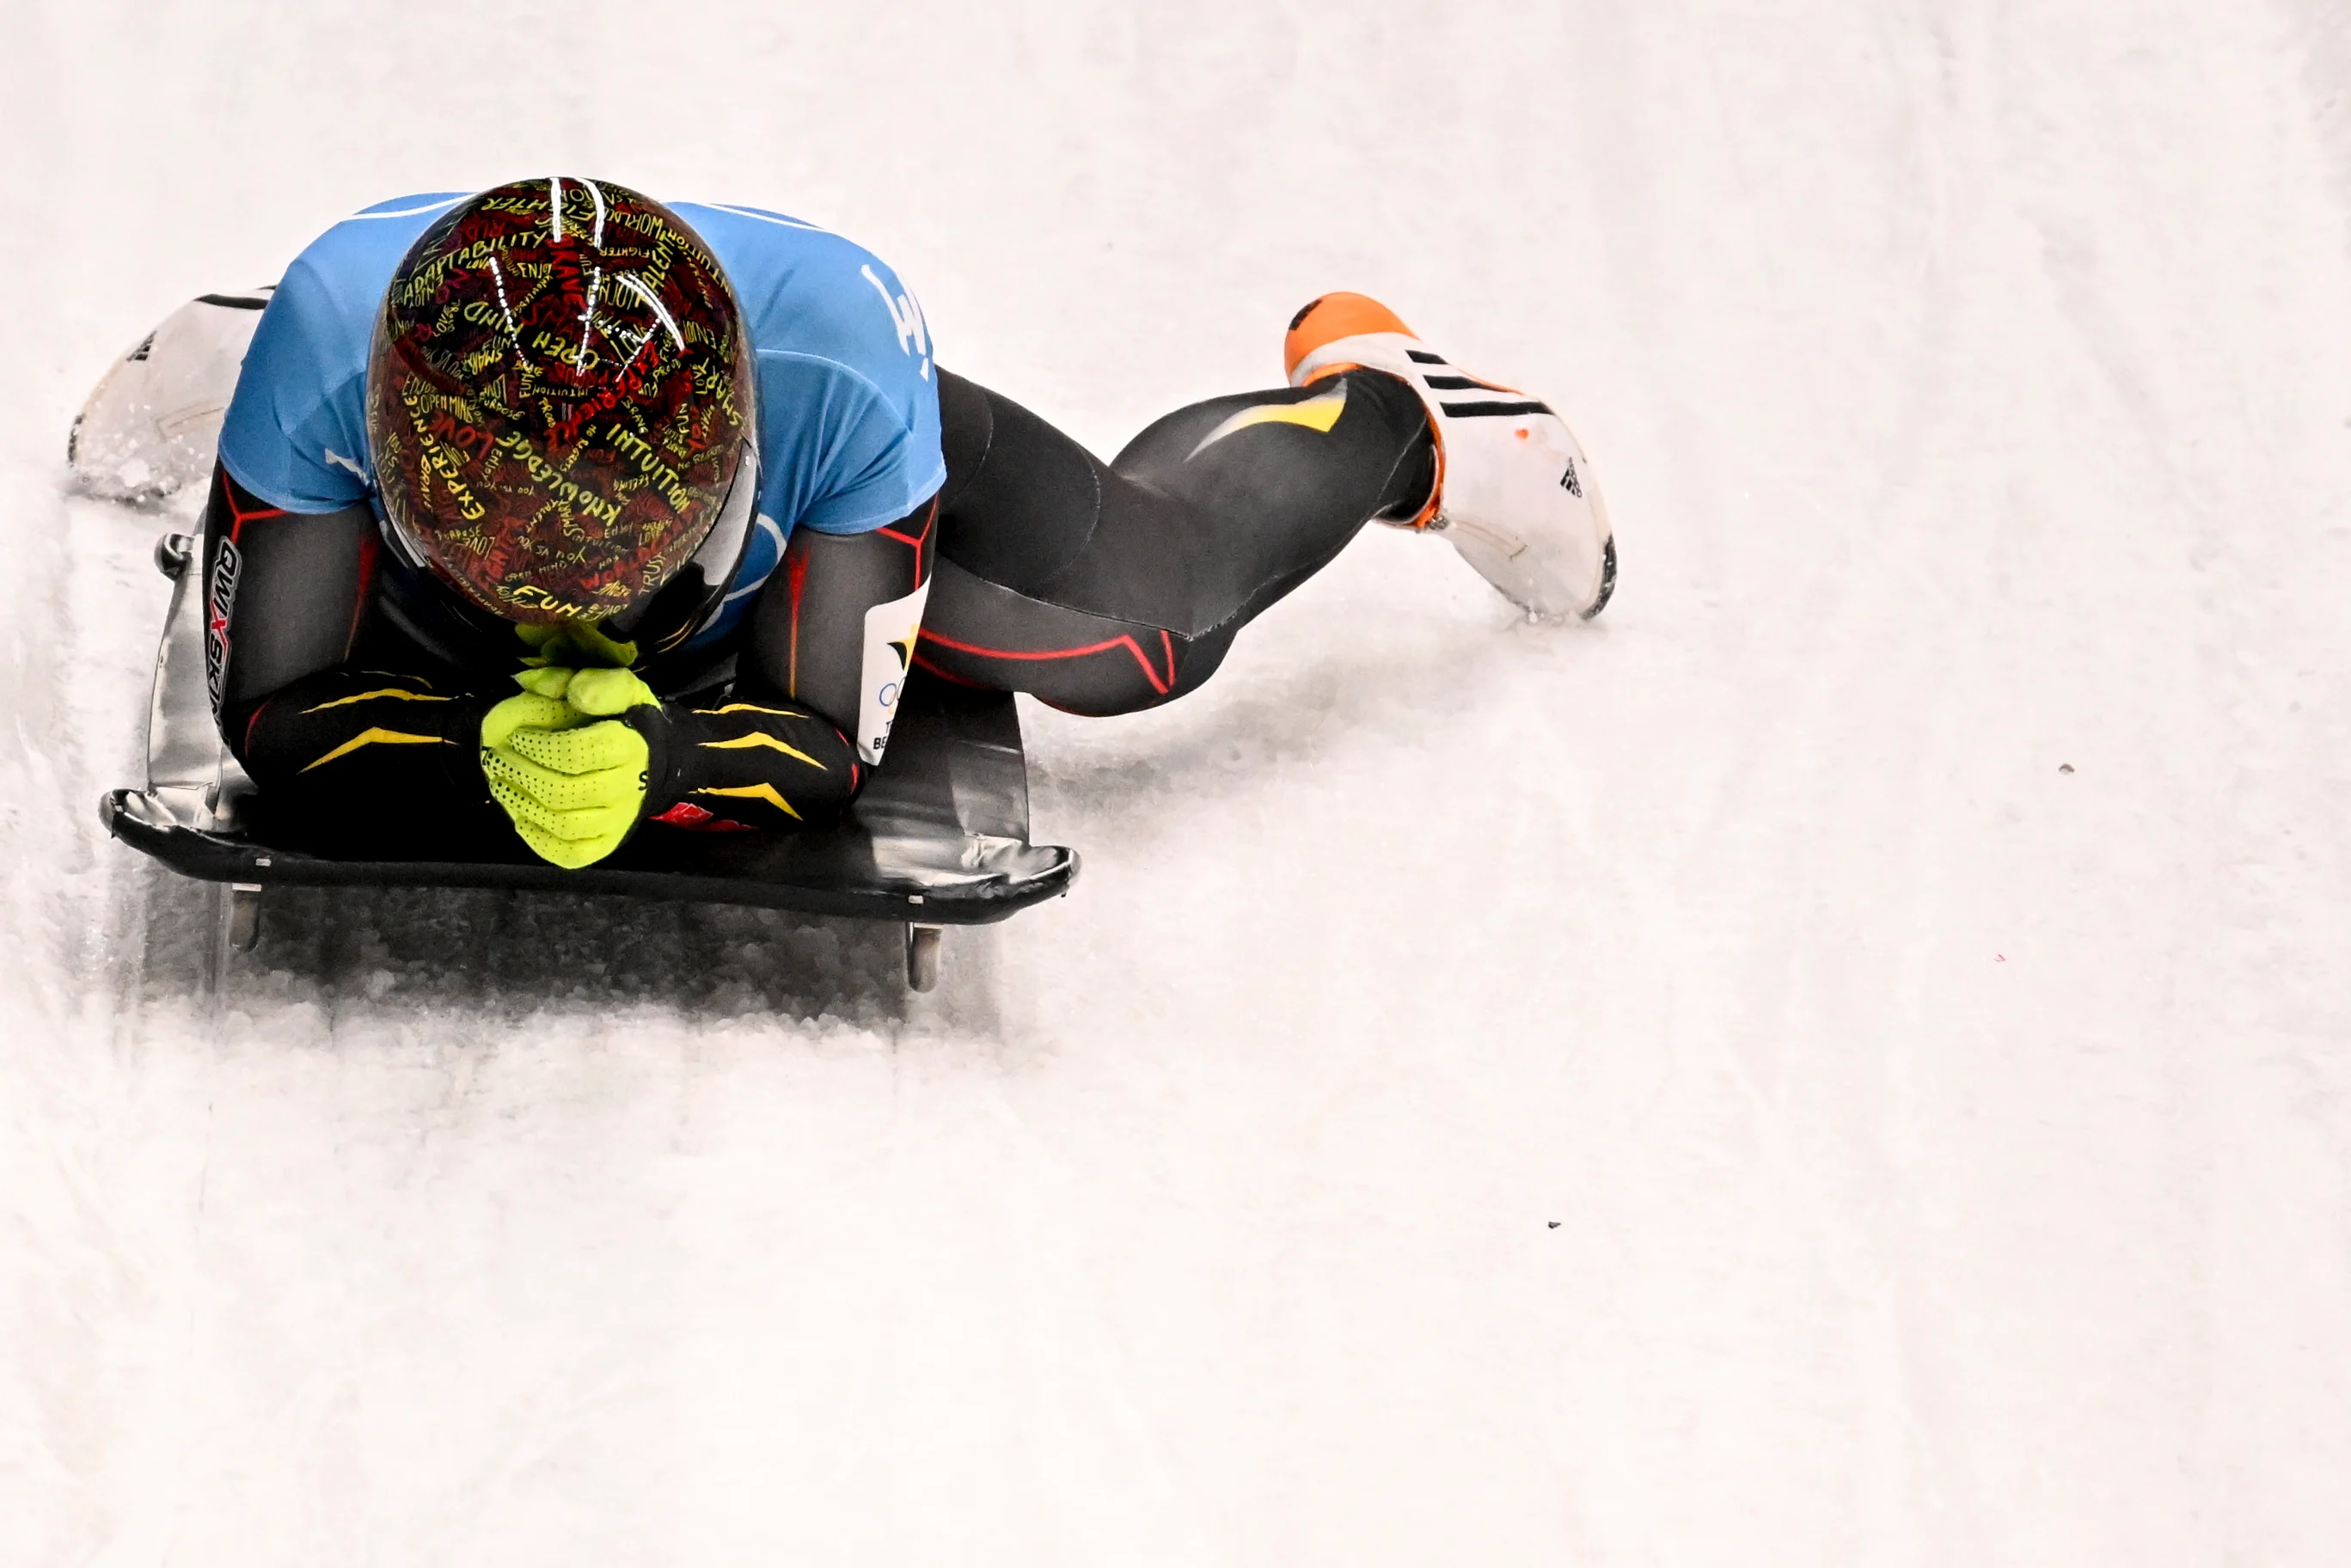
939	837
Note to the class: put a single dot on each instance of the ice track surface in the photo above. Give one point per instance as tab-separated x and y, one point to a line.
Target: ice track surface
1708	1088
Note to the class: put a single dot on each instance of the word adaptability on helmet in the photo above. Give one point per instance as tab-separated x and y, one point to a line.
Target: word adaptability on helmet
559	399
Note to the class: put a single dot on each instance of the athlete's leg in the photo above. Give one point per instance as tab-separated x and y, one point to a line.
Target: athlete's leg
1107	588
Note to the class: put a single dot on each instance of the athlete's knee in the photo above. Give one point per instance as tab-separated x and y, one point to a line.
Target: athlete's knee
980	634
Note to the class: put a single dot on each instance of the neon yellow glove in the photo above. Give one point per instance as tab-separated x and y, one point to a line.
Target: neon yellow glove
573	782
600	693
574	644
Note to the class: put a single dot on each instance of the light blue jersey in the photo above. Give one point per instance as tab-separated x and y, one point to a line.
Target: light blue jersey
849	406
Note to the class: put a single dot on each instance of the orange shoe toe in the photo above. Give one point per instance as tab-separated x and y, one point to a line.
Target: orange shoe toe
1331	317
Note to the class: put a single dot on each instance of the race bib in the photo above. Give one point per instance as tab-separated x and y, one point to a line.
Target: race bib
890	632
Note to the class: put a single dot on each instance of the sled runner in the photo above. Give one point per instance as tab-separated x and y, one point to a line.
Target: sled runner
938	838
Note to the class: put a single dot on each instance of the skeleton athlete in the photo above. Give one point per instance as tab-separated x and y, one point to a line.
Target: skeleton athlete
554	511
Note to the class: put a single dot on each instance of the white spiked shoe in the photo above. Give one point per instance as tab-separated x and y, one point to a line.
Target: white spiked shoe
1513	491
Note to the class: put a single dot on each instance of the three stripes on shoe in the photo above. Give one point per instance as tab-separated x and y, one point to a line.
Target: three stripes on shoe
1482	409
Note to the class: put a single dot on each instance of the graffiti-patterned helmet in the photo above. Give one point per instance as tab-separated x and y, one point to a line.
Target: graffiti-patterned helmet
559	397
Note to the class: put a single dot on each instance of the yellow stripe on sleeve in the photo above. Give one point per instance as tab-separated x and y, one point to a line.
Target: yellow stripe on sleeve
379	737
752	708
757	792
402	693
743	742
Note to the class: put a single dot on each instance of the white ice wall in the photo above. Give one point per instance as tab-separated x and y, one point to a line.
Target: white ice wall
1703	1088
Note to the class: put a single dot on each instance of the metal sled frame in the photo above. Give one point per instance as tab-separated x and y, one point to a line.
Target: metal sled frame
939	837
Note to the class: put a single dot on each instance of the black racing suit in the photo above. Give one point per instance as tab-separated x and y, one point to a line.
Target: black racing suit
351	687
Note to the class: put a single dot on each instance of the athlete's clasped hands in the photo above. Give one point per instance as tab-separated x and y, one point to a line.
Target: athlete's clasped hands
564	765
